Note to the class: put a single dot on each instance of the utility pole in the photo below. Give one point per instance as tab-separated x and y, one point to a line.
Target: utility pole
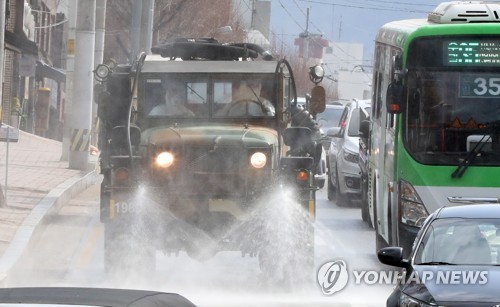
2	50
135	30
100	25
81	114
70	69
147	26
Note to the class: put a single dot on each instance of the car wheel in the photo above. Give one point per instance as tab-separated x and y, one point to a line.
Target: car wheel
331	187
342	200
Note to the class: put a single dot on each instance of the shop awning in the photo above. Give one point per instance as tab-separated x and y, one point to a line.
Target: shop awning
46	71
20	42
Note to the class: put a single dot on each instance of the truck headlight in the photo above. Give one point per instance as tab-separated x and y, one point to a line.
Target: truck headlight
258	159
413	212
165	159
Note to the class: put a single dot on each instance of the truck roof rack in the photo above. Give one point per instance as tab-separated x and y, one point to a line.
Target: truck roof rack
209	49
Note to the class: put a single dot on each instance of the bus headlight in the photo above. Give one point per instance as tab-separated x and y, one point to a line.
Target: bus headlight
165	159
258	159
413	212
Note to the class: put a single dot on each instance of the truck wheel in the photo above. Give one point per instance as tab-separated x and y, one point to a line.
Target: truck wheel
128	253
287	257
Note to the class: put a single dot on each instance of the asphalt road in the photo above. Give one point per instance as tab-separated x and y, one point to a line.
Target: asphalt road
69	252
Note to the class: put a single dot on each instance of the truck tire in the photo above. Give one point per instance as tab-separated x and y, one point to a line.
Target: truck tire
128	253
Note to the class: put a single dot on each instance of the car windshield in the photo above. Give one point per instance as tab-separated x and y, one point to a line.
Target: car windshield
460	241
330	117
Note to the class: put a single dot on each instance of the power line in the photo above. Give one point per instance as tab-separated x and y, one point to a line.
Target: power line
403	3
296	22
305	15
392	9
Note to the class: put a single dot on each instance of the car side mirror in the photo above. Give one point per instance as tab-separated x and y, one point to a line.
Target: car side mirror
364	129
334	132
392	256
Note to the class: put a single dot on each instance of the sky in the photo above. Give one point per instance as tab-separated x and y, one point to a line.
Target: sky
355	21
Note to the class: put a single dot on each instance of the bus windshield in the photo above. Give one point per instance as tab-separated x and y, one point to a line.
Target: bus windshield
449	112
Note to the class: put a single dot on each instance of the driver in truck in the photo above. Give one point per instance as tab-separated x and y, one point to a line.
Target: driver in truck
246	99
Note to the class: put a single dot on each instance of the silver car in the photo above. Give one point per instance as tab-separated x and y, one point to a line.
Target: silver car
344	179
328	119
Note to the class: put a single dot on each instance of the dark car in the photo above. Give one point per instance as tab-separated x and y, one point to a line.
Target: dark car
454	261
48	296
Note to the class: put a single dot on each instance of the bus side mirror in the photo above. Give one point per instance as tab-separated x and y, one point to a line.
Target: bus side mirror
394	98
364	129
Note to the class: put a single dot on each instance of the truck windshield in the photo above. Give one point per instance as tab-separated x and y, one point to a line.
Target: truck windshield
448	113
173	97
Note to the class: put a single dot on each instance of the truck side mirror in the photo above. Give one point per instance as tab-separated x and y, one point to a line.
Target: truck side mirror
318	98
297	136
119	136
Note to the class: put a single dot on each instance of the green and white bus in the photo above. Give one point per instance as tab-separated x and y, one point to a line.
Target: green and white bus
434	136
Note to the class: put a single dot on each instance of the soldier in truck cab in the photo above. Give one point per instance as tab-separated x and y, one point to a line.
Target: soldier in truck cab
246	99
174	103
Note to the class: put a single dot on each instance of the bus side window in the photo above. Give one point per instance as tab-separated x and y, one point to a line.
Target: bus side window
378	76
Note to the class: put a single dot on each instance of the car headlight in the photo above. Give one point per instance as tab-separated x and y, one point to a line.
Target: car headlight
258	159
165	159
351	156
408	301
413	212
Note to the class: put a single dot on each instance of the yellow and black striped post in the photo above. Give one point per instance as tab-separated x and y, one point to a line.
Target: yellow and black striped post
80	140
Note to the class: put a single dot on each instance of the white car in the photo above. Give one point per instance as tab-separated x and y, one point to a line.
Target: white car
344	178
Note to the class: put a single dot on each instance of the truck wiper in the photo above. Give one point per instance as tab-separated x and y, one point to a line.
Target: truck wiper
471	156
196	93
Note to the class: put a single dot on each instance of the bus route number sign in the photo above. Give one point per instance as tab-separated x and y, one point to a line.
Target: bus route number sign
480	85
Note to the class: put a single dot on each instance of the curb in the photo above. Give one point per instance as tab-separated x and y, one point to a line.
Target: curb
52	202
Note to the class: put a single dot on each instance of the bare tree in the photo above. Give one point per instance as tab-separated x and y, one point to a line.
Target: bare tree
173	19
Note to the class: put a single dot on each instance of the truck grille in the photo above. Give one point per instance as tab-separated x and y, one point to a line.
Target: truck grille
207	171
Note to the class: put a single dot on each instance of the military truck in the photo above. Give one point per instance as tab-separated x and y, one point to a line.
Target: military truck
199	155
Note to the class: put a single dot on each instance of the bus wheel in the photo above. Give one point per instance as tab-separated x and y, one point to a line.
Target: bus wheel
365	214
379	240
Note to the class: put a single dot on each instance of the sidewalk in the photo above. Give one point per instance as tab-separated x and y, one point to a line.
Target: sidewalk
37	182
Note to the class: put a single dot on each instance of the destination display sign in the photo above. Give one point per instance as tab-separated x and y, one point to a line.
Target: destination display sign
472	52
